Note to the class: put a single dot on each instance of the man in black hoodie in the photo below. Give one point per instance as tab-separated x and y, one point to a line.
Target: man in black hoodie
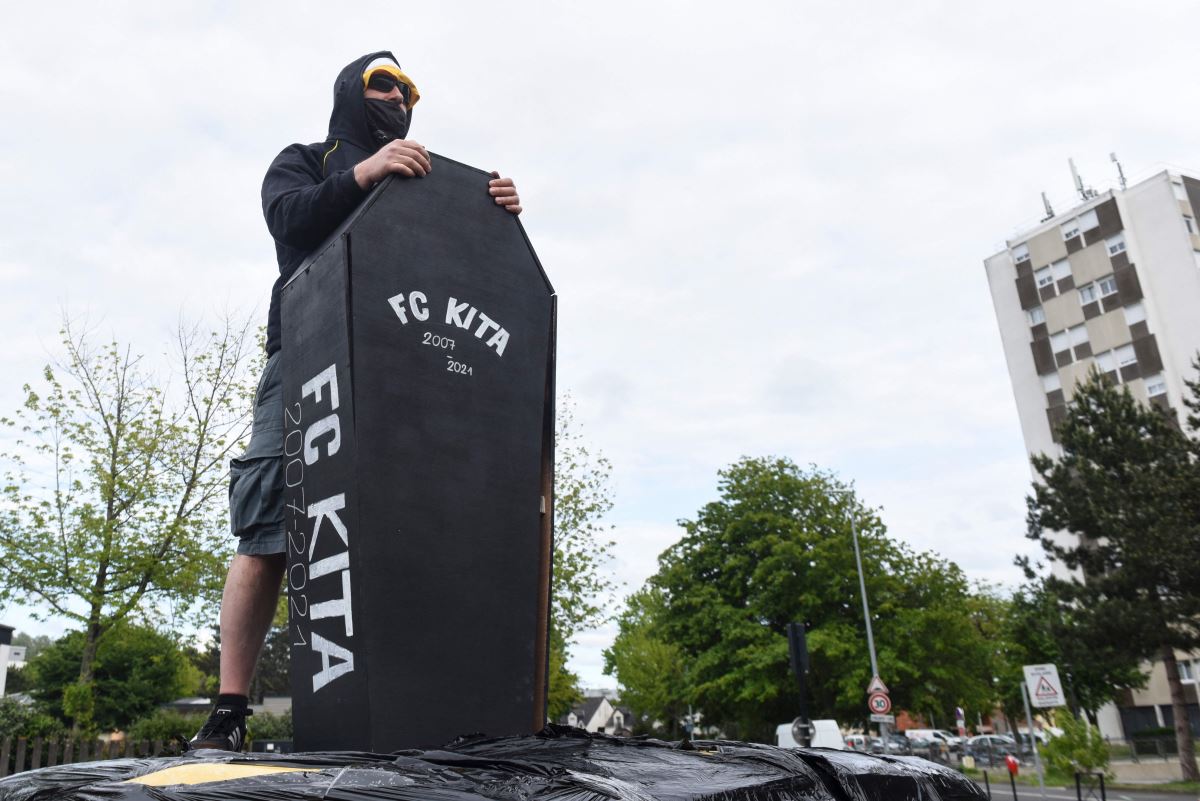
307	193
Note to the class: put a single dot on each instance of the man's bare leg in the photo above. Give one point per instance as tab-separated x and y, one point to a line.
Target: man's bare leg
247	608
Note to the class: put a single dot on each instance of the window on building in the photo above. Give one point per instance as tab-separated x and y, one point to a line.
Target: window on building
1088	220
1187	671
1059	342
1135	313
1115	244
1088	293
1105	362
1156	385
1125	355
1060	269
1051	382
1077	335
1036	315
1044	276
1069	229
1180	192
1190	223
1020	253
1107	286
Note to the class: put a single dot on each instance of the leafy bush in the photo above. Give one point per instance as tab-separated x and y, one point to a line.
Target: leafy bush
265	726
136	669
164	724
17	681
1079	748
19	719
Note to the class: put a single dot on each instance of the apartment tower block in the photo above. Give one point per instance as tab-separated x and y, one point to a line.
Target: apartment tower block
1114	284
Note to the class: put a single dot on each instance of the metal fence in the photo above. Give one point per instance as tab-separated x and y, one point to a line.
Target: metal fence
1137	749
21	754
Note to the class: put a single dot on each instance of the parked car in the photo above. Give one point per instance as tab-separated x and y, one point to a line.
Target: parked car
991	748
953	742
858	742
1026	743
895	744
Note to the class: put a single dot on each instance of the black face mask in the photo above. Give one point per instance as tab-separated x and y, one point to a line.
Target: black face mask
386	120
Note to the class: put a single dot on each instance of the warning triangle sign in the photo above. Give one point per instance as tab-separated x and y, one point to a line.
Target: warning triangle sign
1043	686
877	686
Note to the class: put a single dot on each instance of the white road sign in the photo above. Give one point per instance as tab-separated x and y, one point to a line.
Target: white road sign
1045	688
883	718
877	686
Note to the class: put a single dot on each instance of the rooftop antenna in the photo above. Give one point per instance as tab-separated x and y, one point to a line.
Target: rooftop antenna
1120	172
1049	208
1085	193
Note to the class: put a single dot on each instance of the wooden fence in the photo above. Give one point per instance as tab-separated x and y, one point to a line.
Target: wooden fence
23	754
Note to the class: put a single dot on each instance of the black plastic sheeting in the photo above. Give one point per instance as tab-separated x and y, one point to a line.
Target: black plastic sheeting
558	764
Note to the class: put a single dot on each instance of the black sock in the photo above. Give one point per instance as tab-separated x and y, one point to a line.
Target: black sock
234	701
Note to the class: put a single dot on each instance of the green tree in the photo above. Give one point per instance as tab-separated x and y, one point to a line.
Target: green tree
206	659
649	668
1080	747
579	585
564	689
1046	627
135	669
775	548
1128	488
114	494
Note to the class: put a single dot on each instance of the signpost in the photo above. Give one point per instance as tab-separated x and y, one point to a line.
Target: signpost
1043	689
879	704
798	649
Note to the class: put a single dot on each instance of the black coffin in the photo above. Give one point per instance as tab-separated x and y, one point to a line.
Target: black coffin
418	370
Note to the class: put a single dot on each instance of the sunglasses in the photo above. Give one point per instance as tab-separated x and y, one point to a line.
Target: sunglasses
385	82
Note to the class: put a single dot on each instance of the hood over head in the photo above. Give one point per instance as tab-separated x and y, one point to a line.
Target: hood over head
349	120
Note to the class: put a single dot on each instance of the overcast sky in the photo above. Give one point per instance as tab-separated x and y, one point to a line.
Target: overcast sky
765	221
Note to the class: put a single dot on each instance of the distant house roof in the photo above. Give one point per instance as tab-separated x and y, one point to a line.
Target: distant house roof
583	711
586	710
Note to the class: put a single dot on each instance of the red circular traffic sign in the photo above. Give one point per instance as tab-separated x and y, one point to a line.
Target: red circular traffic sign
879	703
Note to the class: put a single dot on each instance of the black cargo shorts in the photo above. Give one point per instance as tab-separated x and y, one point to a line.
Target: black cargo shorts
256	477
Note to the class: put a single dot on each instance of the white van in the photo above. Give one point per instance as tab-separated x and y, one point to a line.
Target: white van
937	735
826	734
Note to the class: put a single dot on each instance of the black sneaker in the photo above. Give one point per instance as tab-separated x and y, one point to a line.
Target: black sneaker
225	729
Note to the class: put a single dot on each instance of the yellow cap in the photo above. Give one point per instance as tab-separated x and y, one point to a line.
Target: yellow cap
389	66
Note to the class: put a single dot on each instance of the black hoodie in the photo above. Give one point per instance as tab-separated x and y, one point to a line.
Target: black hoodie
310	189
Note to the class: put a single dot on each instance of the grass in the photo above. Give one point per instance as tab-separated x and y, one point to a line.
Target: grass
1028	778
1190	788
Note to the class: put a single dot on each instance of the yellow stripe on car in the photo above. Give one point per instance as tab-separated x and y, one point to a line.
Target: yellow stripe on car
204	772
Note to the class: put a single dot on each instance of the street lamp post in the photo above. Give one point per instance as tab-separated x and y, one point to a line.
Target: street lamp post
862	585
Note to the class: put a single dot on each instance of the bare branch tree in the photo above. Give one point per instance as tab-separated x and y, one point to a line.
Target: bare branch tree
114	486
